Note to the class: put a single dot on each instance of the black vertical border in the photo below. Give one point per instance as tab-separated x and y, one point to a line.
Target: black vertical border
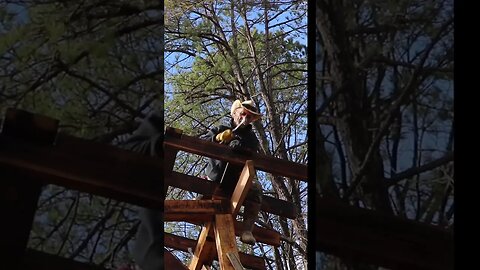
311	132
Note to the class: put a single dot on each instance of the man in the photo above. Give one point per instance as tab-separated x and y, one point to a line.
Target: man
240	136
148	248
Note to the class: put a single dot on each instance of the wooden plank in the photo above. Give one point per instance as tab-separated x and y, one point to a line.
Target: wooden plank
272	165
18	202
37	260
206	187
389	241
89	167
172	262
225	240
262	235
243	186
183	244
190	210
19	192
205	248
31	127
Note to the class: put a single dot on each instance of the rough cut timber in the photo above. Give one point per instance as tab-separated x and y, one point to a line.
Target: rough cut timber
272	165
27	126
18	203
189	210
263	235
243	186
184	244
100	169
204	252
225	240
89	167
375	238
19	191
205	187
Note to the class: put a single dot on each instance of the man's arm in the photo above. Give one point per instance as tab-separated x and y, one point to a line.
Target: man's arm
148	137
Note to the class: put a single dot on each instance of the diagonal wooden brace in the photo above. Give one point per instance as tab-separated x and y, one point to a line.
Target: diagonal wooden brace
224	228
243	186
204	251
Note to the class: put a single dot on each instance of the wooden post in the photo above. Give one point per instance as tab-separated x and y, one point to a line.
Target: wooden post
225	240
170	154
19	191
19	194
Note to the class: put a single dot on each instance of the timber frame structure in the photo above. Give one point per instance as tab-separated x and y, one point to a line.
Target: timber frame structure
33	153
218	212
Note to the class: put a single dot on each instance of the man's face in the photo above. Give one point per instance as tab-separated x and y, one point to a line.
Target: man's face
240	115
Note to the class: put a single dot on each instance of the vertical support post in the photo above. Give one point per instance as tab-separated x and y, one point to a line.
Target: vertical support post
18	202
19	192
225	240
169	155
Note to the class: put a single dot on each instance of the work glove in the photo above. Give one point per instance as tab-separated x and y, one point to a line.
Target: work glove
225	136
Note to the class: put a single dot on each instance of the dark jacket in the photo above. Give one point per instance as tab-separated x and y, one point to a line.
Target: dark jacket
244	139
148	137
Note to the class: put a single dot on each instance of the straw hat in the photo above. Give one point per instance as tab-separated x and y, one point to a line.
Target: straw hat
247	105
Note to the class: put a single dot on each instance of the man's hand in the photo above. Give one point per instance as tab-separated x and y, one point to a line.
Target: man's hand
225	136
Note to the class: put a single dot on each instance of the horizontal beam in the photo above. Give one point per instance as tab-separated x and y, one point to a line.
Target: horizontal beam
205	187
262	235
191	210
87	166
264	163
372	237
181	243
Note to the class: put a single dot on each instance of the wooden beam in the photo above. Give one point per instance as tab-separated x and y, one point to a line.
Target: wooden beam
205	248
30	127
206	187
206	148
181	243
18	202
372	237
87	166
37	260
172	262
19	192
243	186
262	235
225	240
199	210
